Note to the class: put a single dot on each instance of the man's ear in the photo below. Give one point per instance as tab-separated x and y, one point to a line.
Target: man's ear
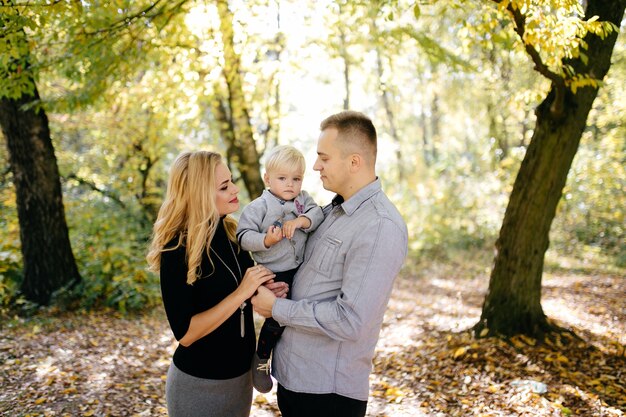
356	162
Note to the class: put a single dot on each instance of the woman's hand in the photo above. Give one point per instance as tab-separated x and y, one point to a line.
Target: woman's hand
253	279
280	289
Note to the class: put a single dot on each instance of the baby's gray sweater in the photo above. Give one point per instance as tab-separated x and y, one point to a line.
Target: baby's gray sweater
265	211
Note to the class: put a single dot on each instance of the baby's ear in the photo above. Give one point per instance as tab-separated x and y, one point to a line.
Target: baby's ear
266	179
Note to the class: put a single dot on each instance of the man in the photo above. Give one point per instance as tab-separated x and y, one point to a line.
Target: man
340	293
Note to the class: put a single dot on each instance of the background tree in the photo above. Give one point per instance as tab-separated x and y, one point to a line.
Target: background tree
83	48
235	119
513	303
126	88
47	254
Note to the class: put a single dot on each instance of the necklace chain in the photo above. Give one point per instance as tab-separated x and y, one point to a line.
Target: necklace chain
237	281
226	265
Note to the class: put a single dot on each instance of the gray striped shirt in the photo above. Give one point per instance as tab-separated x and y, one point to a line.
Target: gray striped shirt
339	297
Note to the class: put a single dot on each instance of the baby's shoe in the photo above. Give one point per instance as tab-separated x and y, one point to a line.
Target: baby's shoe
261	378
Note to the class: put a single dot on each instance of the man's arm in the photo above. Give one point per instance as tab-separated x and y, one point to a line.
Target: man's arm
371	266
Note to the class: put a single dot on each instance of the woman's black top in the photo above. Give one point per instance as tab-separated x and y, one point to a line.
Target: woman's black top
223	353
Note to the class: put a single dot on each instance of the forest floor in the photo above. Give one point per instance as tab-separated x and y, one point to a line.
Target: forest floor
427	362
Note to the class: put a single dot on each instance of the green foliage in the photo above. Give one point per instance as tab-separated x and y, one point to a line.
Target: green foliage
109	245
16	77
10	256
448	209
126	91
110	250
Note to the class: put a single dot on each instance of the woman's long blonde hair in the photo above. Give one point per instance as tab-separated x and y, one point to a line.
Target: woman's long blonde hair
189	211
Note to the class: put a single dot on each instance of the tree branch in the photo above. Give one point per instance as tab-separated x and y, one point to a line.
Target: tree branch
558	82
91	185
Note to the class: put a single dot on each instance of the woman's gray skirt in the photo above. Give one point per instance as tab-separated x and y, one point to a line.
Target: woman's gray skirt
190	396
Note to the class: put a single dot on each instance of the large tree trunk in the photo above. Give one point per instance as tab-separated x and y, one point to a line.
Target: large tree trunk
513	302
47	255
48	260
243	147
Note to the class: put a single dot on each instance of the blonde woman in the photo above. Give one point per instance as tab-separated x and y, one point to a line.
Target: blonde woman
206	284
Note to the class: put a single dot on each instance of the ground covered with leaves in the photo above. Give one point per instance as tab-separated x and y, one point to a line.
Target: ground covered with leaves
427	362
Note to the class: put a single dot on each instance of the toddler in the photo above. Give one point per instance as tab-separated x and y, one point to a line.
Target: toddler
275	227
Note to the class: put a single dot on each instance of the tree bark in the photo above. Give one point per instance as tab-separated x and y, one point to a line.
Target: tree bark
384	96
242	149
47	255
513	302
346	67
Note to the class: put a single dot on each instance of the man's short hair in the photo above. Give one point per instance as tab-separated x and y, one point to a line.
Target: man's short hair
356	131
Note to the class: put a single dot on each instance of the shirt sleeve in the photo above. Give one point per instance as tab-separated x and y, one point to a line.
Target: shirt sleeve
370	268
312	211
249	230
175	292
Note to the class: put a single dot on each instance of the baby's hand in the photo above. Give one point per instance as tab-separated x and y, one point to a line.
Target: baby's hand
289	228
273	236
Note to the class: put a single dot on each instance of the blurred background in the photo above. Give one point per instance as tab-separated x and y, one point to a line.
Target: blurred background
126	86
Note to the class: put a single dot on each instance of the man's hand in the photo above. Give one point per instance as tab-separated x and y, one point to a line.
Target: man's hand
263	302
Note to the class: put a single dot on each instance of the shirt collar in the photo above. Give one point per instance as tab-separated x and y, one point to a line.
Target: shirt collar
269	195
358	198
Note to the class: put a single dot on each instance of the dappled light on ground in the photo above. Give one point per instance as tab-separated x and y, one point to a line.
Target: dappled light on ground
427	362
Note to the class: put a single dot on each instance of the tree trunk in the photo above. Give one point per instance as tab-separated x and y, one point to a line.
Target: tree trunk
384	95
48	260
513	302
243	147
435	123
346	67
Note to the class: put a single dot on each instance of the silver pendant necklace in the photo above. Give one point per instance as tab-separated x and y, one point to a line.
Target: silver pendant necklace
242	322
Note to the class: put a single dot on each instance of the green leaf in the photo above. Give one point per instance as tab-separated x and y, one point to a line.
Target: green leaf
416	11
584	58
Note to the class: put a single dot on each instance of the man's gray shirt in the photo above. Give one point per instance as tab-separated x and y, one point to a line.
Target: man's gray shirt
267	210
339	297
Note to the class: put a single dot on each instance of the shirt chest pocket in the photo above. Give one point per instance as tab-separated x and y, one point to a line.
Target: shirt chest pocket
327	251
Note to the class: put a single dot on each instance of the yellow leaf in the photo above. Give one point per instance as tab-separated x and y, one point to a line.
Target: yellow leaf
89	413
517	342
459	352
40	400
529	340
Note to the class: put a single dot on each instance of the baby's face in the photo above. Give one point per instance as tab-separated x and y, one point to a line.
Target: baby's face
284	183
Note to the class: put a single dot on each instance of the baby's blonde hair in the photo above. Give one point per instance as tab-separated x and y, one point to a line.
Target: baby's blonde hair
189	211
285	157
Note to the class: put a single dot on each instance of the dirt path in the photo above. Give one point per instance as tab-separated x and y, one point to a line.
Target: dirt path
101	364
